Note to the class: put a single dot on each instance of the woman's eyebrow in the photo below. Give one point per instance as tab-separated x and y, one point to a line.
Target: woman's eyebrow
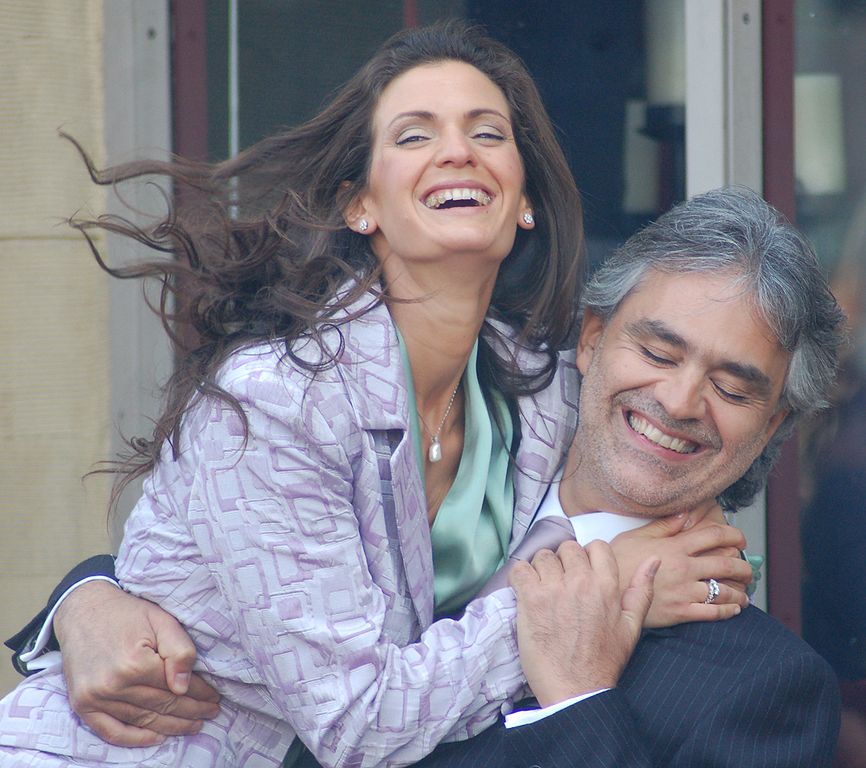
421	114
418	114
481	112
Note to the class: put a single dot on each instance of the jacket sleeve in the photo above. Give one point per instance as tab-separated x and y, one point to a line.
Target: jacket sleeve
599	732
37	637
276	523
779	715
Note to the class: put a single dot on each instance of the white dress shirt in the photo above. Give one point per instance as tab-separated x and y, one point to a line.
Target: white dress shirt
588	527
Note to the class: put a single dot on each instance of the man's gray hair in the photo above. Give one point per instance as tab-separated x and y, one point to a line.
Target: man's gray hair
734	230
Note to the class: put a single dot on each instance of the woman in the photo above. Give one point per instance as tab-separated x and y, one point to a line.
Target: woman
371	416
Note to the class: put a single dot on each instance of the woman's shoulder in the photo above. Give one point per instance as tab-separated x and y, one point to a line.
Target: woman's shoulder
253	369
352	367
265	356
340	345
270	395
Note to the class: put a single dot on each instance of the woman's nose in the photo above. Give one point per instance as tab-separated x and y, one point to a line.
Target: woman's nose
455	148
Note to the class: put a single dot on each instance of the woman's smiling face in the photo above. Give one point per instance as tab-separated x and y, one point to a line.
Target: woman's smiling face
445	175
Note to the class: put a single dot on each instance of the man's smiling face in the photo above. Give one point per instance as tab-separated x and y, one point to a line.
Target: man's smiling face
680	394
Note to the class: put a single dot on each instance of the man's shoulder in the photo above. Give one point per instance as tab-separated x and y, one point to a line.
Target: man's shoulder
748	641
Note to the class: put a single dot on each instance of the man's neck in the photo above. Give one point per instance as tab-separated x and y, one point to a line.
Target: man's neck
579	495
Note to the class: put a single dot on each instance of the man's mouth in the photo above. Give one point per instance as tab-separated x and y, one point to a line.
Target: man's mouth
459	197
656	436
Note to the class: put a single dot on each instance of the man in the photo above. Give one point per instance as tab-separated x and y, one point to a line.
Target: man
704	340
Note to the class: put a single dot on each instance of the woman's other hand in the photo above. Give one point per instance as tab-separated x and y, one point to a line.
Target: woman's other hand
128	667
691	553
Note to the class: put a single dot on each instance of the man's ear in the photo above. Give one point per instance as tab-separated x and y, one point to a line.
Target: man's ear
590	333
776	421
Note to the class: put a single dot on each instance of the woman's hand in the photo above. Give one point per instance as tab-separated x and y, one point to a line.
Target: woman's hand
128	667
690	553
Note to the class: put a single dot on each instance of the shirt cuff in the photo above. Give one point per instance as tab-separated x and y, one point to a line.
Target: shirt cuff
527	716
29	658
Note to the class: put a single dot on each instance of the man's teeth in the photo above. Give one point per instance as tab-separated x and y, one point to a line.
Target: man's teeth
655	435
443	196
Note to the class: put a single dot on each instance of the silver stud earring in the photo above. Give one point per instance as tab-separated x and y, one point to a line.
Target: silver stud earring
528	218
363	225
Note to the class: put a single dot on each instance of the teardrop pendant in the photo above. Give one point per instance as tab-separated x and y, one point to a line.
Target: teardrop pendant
434	453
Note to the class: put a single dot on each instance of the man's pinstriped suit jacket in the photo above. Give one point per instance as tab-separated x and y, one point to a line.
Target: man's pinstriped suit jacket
743	693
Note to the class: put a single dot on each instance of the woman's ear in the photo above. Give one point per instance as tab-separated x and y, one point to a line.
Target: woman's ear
591	330
525	216
357	217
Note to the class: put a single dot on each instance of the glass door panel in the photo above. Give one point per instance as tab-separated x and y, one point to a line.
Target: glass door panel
830	171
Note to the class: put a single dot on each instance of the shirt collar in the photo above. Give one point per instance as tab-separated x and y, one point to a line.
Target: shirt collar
590	525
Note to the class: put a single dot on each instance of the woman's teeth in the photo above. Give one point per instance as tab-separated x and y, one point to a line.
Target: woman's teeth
459	195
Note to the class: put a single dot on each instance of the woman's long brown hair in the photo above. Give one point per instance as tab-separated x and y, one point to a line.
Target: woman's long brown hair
255	248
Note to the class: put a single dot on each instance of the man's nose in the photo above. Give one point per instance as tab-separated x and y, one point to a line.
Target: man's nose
681	394
455	148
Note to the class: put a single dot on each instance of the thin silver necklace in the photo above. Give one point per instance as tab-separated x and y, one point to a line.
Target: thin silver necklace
434	452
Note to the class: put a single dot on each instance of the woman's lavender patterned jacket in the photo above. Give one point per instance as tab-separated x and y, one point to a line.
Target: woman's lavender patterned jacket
275	555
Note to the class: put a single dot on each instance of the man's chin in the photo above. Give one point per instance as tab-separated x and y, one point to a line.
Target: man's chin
649	503
656	496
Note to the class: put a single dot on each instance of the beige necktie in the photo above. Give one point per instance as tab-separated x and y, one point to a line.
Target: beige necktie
547	533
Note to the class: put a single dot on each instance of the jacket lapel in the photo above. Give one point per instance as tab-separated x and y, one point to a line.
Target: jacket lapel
548	421
413	530
372	371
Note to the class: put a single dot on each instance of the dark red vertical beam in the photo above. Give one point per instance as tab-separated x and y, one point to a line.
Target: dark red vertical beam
778	60
189	78
410	14
188	104
783	492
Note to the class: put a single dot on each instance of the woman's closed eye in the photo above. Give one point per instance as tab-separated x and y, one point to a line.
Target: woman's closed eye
411	136
488	134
